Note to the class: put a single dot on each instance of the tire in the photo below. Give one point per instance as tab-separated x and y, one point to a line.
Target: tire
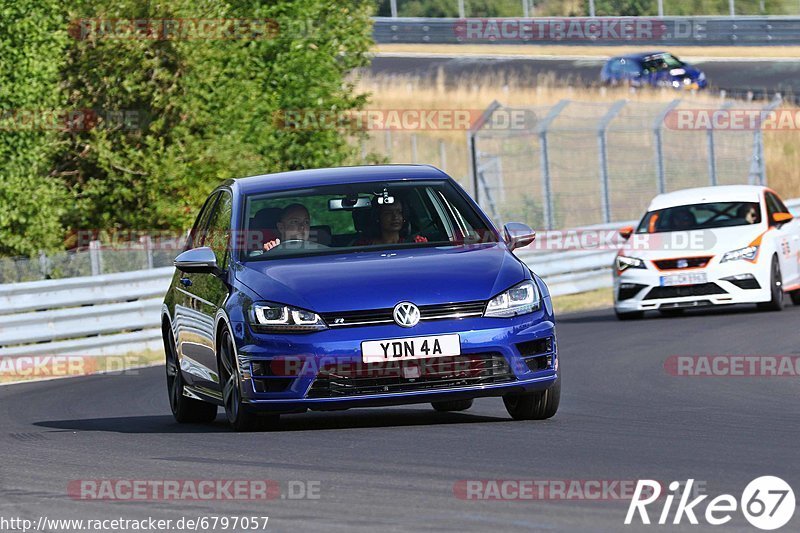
452	405
795	295
776	288
539	405
185	410
671	312
239	416
634	315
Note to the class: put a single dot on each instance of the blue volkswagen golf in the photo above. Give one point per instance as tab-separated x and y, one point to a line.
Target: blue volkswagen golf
354	287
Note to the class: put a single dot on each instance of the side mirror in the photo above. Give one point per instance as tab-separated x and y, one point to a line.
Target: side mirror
518	235
626	232
782	218
197	261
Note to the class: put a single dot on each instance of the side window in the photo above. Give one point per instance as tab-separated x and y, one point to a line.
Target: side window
196	234
778	203
772	207
219	229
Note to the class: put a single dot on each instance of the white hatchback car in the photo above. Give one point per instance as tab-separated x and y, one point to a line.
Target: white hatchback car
709	246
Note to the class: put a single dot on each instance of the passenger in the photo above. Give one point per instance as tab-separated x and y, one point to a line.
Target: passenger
391	225
683	219
294	225
749	213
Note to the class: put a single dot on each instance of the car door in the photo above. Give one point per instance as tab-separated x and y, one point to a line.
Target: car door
787	242
183	313
203	294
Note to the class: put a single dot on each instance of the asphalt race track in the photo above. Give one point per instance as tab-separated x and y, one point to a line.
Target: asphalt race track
761	77
622	417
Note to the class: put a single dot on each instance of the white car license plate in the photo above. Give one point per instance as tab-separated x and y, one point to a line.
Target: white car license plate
410	348
684	279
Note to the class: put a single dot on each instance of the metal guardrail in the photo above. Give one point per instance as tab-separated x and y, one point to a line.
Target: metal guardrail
92	315
696	31
120	313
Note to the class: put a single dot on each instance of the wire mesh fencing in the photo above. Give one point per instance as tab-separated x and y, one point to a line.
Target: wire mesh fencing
579	163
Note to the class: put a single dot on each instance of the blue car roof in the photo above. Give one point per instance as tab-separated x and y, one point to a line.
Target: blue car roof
640	56
300	179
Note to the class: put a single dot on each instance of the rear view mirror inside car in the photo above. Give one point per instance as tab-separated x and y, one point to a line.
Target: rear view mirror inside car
337	204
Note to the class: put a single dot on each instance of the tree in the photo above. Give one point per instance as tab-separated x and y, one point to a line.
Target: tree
31	202
203	110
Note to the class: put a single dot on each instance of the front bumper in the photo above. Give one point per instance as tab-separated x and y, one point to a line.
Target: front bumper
529	367
641	290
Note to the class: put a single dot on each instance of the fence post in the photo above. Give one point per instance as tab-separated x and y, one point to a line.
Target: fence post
758	164
473	148
148	250
602	128
44	266
96	257
414	148
712	153
442	156
657	128
387	140
544	162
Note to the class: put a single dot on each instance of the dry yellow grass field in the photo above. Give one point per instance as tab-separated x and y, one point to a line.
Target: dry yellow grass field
399	92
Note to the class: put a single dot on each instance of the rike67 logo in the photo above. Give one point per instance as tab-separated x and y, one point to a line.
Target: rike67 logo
767	503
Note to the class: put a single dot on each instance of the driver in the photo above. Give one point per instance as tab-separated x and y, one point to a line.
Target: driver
294	225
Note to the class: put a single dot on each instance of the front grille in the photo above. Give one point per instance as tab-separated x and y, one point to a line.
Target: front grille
375	317
746	283
536	347
542	362
629	290
702	289
336	381
682	262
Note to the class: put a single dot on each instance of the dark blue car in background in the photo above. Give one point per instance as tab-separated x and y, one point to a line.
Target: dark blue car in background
354	287
653	69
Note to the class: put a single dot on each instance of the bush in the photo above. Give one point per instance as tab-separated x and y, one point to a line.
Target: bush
31	202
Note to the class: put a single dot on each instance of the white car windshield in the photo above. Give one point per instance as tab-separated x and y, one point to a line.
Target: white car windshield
700	217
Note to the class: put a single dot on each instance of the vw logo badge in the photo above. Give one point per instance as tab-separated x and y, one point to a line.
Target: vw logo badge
406	314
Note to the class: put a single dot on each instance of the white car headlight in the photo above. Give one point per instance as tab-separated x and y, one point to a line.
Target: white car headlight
624	263
748	253
518	300
283	318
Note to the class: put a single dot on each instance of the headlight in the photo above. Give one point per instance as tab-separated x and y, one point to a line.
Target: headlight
624	263
748	253
518	300
283	318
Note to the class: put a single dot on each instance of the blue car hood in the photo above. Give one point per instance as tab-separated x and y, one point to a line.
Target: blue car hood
381	279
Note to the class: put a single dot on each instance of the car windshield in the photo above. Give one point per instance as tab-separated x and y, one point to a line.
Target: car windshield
662	62
700	217
358	217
